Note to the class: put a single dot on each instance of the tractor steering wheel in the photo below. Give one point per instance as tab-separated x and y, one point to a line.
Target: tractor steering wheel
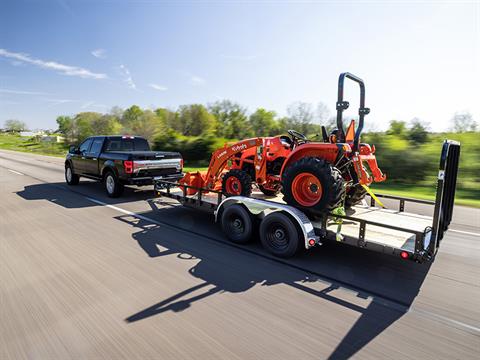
296	135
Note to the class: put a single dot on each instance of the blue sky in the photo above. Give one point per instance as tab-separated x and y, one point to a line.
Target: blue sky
63	57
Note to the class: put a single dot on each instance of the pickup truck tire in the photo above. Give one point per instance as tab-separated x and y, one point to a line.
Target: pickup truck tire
113	186
237	224
70	177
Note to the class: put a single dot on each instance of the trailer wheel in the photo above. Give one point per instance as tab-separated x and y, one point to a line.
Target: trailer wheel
279	235
237	224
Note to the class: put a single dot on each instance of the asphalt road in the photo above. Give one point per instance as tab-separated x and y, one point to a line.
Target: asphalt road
85	276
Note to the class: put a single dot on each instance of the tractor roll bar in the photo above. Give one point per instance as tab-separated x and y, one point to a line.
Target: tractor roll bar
343	105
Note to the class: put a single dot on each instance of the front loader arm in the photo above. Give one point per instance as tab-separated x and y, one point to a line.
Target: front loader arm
220	158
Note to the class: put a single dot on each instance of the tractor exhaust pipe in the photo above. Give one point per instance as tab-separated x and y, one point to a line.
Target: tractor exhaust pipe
343	105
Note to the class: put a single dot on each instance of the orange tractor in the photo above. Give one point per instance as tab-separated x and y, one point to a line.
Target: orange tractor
313	176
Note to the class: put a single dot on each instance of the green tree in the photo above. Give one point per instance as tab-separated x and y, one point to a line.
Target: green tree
194	120
463	122
262	123
83	125
231	118
398	128
168	117
106	125
15	126
300	116
147	125
64	124
131	115
417	133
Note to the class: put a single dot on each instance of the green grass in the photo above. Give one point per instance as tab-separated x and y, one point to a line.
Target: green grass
30	145
467	197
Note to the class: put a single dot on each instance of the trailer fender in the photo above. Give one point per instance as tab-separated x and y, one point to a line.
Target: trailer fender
259	208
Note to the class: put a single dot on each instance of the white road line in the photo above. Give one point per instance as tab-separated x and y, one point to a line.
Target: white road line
464	232
15	172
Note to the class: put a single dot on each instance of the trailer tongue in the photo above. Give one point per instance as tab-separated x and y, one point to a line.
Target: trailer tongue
285	229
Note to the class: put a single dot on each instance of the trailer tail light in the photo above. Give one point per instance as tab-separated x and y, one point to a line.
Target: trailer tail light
311	242
404	255
128	166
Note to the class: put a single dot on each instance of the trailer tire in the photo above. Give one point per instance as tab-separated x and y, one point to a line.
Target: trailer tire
237	224
237	183
279	235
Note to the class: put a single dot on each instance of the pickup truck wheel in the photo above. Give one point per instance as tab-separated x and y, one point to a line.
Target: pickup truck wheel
70	176
237	224
279	235
113	187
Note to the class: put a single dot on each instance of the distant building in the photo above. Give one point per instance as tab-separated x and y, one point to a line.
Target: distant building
31	133
52	138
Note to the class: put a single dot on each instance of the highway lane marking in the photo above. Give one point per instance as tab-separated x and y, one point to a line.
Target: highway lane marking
464	232
15	172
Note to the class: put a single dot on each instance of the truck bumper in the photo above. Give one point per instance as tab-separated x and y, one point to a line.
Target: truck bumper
140	181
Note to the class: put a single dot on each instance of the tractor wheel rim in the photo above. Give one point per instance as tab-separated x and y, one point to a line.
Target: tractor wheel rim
233	186
69	174
307	189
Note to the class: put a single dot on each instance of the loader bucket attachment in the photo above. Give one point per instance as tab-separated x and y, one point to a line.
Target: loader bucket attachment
193	182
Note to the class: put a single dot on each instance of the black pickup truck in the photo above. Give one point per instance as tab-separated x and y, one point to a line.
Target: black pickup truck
119	161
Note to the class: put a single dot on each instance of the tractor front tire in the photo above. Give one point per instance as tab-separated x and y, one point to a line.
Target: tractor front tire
313	184
354	196
236	183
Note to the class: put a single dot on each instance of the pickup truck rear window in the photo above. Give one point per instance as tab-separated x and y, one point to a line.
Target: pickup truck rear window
119	144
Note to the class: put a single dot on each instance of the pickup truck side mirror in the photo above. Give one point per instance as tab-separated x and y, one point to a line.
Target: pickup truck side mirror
73	149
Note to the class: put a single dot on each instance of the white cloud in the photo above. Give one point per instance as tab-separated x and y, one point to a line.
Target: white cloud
92	104
56	102
127	77
99	53
158	87
21	92
87	104
197	80
52	65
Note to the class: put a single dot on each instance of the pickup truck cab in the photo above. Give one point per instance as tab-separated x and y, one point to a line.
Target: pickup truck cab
119	161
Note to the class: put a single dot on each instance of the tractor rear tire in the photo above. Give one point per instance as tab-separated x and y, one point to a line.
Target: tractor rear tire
236	183
354	196
313	184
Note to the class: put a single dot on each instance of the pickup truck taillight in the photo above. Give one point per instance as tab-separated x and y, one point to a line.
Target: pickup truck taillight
181	163
128	166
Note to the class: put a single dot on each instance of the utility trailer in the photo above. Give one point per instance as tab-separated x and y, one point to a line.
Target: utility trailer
284	229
